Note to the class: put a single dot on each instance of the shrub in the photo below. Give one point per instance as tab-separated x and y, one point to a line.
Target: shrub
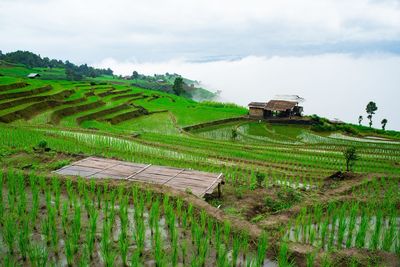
286	197
42	144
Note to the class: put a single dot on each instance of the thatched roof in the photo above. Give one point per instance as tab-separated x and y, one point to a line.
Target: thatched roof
280	105
257	105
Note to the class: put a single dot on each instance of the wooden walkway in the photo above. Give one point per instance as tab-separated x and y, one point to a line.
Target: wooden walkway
199	183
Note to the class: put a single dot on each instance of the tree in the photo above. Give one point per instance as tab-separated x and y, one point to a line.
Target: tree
135	75
178	86
370	120
350	155
360	118
384	122
371	108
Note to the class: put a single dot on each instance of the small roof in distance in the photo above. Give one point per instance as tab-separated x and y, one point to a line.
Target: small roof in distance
31	75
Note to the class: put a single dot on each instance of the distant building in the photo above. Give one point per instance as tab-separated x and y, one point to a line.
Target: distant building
336	121
33	75
276	108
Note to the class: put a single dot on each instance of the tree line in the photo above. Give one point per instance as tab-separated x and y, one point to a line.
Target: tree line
73	72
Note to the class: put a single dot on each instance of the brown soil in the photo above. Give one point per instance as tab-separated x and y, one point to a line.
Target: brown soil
57	115
102	113
35	91
128	115
7	87
58	96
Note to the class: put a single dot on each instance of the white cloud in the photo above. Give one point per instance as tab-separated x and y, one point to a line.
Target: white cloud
168	29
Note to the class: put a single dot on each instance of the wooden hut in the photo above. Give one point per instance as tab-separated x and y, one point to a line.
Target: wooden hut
274	108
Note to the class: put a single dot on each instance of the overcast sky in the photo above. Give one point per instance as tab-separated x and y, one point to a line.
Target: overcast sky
322	50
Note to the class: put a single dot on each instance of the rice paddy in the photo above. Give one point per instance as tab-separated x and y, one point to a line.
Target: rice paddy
287	200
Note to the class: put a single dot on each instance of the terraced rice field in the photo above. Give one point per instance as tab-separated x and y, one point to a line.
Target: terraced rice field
280	205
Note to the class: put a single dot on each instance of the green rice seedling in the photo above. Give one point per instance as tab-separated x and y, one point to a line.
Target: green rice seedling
23	237
11	196
87	203
38	255
9	261
332	231
84	259
53	229
210	227
341	226
221	259
324	231
21	203
64	216
283	256
92	230
262	249
203	220
149	198
9	232
362	231
389	236
154	215
377	232
179	203
174	256
42	183
135	260
98	195
46	230
183	250
203	251
190	213
105	240
310	258
227	231
123	247
397	247
140	235
57	193
81	186
249	262
158	251
326	261
184	221
312	235
244	245
76	227
196	236
69	251
217	238
352	224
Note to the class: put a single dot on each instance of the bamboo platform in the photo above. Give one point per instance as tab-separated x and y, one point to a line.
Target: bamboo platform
197	182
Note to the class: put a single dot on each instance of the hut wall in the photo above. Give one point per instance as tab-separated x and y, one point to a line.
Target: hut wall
256	112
